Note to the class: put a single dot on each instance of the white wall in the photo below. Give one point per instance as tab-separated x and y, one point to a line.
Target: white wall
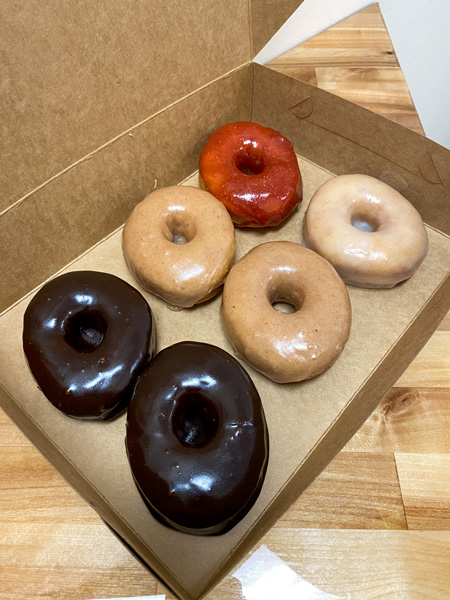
420	33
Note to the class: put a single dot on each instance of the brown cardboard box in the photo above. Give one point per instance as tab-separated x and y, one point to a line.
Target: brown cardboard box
105	101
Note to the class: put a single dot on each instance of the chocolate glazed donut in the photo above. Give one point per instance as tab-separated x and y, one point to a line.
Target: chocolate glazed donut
87	336
197	439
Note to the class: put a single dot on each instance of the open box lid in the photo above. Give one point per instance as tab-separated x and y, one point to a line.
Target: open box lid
78	75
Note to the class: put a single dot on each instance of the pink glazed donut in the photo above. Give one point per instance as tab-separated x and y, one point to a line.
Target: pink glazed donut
368	231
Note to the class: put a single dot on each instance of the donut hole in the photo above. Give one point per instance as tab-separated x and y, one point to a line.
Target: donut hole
284	307
285	300
249	162
364	222
179	230
195	420
84	331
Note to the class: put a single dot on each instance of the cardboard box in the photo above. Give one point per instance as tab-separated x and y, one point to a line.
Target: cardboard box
104	103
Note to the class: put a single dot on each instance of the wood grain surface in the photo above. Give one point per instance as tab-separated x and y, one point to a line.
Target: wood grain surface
355	59
374	525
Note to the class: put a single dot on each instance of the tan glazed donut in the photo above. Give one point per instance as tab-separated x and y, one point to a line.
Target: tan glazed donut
179	244
391	248
286	347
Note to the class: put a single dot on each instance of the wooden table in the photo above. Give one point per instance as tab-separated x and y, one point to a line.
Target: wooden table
375	525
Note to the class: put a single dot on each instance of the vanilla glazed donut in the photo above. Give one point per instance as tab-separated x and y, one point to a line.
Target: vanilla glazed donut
286	347
369	232
179	244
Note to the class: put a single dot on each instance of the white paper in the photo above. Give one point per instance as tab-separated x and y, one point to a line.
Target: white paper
265	576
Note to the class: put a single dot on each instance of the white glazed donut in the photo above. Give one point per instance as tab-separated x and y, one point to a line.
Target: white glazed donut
391	248
179	244
286	347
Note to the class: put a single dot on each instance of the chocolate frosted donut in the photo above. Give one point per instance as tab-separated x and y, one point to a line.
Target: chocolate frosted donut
197	439
87	336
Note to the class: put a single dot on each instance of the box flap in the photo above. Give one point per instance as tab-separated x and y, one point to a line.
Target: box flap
267	18
347	138
78	78
77	74
89	200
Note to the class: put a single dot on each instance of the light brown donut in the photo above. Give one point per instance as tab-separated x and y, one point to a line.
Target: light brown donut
381	258
179	244
286	347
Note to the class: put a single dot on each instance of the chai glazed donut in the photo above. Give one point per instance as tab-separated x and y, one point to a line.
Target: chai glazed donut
86	337
254	171
286	347
392	245
179	244
197	439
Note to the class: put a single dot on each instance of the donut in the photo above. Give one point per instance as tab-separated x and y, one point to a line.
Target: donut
286	347
86	337
197	439
179	244
254	171
370	233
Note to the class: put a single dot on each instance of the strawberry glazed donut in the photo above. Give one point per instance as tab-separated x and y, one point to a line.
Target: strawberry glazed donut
254	171
286	347
369	232
179	244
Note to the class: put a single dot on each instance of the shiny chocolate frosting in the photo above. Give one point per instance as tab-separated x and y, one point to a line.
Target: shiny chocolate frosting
197	439
87	336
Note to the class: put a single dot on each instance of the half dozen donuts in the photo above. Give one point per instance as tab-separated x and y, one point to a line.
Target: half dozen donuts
196	435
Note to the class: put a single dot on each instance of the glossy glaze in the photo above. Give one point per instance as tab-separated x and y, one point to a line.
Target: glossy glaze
294	346
87	336
197	439
253	170
389	250
182	274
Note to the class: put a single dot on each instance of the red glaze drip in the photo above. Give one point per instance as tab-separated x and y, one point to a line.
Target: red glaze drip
87	336
254	171
197	439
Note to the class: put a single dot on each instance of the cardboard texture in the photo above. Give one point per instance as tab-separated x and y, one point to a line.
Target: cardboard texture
95	196
265	21
76	74
75	218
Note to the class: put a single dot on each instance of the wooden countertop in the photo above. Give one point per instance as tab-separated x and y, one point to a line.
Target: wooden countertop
375	524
